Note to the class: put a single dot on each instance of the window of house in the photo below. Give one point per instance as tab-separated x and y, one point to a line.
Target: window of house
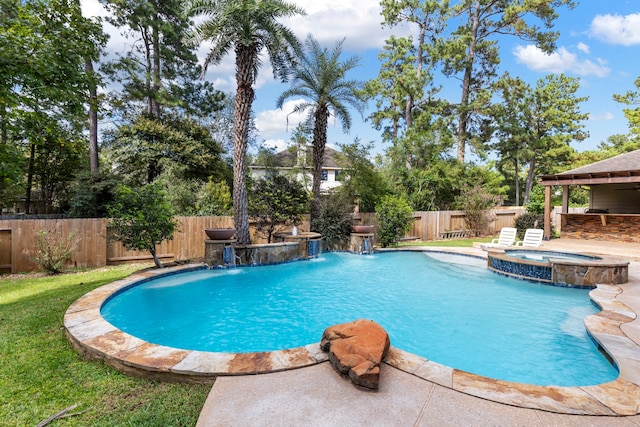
339	176
324	175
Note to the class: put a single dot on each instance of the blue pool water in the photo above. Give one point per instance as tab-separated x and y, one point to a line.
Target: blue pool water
449	309
544	256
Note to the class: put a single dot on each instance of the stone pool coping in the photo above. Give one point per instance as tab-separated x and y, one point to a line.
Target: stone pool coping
95	338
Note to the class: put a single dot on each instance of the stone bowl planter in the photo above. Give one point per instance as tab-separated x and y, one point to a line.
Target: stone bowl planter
220	233
362	228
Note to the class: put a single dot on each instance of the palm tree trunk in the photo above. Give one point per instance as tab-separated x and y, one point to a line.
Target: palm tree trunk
319	142
245	58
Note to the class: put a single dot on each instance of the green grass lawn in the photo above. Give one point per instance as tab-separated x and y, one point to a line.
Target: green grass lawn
41	374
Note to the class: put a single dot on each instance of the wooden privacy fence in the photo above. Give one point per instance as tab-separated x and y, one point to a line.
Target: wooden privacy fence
432	225
18	241
18	237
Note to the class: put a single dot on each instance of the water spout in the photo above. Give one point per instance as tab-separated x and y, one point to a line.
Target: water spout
229	256
313	248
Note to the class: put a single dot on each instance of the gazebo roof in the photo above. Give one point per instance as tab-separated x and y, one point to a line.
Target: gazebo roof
623	168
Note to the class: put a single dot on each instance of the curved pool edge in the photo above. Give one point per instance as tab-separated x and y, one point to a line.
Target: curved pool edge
97	339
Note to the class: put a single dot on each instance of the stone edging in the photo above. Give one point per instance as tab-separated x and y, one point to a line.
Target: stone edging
95	338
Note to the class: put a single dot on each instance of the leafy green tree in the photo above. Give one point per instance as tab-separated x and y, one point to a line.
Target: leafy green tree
141	219
160	70
144	148
618	144
536	125
56	152
361	182
476	203
300	142
321	80
180	192
394	215
511	131
632	98
471	53
11	173
214	198
334	221
43	85
408	61
91	193
277	201
535	205
389	88
245	27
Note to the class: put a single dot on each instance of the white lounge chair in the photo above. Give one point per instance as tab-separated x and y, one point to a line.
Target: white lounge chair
507	238
532	238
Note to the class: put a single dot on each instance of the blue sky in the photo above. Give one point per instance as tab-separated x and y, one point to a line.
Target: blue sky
599	43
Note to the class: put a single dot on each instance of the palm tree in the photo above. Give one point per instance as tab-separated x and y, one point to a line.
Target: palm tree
321	80
246	27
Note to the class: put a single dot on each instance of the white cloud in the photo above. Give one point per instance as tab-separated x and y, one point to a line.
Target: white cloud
359	21
617	29
92	8
275	122
604	117
277	144
584	48
560	61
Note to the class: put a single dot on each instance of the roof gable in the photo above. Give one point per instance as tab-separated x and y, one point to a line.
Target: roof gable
622	162
288	158
623	168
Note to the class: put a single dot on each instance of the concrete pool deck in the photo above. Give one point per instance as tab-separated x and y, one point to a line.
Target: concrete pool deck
412	389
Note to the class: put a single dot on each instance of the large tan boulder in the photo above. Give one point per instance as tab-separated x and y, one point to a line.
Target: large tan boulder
356	349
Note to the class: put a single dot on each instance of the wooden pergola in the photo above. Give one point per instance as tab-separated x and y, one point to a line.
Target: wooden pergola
621	169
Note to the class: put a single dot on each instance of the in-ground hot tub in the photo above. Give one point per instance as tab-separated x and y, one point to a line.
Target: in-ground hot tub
558	268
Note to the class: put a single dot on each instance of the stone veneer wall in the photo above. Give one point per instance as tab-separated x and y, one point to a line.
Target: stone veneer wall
268	253
618	228
571	273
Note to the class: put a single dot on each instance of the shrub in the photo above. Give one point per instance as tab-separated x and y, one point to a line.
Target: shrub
53	251
141	219
91	195
214	198
530	220
334	221
394	216
277	200
535	205
476	203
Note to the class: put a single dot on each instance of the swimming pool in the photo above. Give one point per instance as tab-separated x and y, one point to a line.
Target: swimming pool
450	310
545	256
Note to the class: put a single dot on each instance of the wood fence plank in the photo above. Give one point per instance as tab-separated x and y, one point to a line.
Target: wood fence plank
188	241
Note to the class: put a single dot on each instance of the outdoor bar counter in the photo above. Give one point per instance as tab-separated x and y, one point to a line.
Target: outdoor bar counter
601	226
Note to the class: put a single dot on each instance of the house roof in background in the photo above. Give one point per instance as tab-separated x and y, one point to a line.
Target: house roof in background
289	158
623	168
